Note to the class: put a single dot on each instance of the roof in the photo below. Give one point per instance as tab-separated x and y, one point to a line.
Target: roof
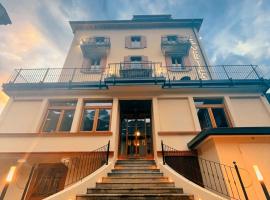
4	18
138	22
236	131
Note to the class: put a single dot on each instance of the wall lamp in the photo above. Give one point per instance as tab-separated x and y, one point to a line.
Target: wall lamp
8	180
260	179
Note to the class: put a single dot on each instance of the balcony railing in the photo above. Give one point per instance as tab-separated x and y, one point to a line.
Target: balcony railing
175	45
136	71
95	46
132	72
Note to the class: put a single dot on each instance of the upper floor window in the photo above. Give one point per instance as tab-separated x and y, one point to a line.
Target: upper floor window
212	113
135	42
95	63
172	38
96	116
59	116
176	61
100	40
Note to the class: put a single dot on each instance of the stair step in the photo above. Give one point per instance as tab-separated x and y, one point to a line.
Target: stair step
135	174
134	185
134	170
135	162
135	167
134	197
133	179
157	190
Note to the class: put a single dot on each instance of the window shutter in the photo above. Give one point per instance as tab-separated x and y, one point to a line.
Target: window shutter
127	61
128	42
168	61
145	58
145	62
103	63
186	61
86	63
164	38
143	42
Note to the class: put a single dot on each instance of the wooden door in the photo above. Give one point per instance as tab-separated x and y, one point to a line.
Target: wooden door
48	179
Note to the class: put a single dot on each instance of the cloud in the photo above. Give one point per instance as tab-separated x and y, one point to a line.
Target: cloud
247	35
234	32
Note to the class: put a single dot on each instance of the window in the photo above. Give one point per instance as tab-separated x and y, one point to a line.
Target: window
96	116
172	38
176	61
100	40
136	41
59	116
95	63
136	62
211	113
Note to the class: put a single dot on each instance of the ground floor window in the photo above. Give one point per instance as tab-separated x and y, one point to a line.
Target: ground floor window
212	113
59	116
96	116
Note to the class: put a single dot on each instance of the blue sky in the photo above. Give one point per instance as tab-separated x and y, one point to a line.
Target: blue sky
233	31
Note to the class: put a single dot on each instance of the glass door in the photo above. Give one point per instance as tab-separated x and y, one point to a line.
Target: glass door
136	137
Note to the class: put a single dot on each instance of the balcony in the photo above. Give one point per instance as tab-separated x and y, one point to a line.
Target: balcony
175	45
134	73
95	46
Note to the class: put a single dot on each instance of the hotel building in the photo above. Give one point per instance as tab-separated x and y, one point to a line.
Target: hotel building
136	112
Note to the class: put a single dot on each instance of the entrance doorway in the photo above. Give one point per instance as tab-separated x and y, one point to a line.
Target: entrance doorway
135	129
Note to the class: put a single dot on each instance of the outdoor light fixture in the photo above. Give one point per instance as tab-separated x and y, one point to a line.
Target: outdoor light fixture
260	179
10	174
138	133
8	180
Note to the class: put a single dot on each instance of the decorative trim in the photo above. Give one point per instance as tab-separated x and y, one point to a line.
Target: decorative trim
236	131
133	24
66	134
166	133
178	153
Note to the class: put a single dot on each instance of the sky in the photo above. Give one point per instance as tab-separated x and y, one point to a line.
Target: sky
233	31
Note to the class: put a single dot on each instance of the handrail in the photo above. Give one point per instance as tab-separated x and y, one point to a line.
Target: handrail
78	167
130	70
220	178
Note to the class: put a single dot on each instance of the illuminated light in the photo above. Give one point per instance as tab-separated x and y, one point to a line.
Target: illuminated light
10	173
258	173
65	160
138	133
21	160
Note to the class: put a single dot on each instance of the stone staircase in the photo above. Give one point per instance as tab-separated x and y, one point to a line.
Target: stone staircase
135	179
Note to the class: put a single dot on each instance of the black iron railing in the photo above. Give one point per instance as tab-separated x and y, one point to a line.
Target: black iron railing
217	177
136	71
57	75
75	169
218	72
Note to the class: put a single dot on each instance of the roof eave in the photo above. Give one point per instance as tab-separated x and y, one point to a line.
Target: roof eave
133	24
